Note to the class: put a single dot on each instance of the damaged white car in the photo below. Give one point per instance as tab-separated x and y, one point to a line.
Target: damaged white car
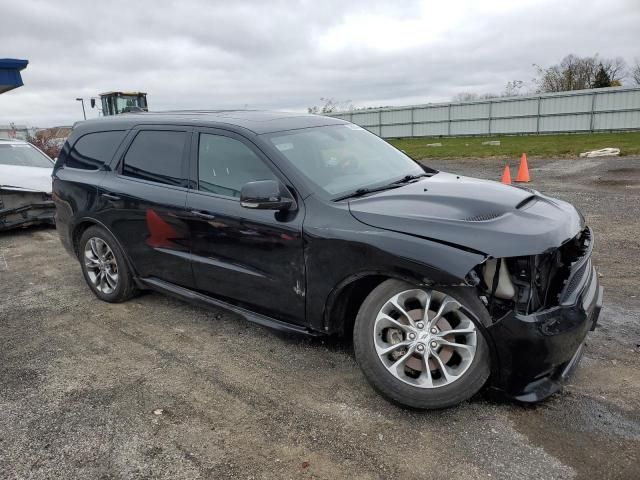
25	185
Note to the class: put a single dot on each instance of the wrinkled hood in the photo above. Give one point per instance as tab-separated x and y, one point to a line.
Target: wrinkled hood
481	215
15	177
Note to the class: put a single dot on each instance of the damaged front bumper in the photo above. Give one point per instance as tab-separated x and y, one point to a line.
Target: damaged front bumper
537	352
22	208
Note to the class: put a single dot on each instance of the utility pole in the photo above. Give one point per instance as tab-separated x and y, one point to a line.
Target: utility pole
84	114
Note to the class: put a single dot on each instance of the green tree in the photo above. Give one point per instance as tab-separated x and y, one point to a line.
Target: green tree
602	78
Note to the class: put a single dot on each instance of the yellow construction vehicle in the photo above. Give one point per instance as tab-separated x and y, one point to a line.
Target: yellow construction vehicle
114	103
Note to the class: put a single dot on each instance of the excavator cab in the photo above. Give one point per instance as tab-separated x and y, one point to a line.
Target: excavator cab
114	103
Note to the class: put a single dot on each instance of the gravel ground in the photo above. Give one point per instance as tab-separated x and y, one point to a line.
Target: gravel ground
157	388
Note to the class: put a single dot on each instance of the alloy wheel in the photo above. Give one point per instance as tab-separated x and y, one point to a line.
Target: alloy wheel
424	338
101	265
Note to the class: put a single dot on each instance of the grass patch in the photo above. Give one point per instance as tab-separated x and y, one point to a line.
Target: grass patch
568	145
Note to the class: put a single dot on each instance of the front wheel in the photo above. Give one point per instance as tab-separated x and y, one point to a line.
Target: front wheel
420	346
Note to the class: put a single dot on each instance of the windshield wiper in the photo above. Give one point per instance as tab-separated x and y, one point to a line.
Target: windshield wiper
410	178
398	183
363	191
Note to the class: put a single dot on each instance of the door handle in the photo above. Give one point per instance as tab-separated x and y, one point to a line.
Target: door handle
110	196
203	215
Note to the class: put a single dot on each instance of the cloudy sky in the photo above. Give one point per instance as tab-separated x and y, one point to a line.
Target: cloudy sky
287	54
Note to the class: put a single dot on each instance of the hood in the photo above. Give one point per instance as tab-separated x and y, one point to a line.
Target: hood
481	215
15	177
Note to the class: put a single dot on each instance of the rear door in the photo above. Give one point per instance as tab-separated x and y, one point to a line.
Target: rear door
143	202
251	258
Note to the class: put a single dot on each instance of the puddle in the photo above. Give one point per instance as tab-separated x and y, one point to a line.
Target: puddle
596	439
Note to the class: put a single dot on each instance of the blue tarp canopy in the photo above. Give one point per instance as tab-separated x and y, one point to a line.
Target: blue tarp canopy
10	77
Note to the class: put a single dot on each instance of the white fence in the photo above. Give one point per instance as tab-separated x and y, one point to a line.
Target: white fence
603	109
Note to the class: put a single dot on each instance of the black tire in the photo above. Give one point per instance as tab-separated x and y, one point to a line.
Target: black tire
125	287
403	393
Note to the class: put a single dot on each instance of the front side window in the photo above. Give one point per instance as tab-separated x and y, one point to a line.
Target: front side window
226	164
93	150
23	155
343	158
156	155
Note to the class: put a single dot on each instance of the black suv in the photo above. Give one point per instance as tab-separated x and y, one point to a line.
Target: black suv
314	225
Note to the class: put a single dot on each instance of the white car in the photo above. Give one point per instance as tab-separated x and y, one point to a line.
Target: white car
25	185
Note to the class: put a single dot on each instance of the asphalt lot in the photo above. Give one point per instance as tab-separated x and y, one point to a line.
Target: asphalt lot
80	379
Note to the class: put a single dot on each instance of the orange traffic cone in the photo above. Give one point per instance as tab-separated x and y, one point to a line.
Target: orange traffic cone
506	175
523	171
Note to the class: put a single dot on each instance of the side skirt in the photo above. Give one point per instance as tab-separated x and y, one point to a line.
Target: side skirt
200	299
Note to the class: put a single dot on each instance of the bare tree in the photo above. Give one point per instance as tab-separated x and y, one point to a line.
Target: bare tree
635	72
513	88
46	141
472	97
616	68
578	73
331	105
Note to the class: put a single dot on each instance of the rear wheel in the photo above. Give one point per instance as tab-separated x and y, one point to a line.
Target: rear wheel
420	346
104	266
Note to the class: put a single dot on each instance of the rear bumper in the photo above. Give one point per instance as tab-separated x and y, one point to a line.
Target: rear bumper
537	353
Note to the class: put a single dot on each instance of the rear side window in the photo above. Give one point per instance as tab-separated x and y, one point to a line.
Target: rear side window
93	150
225	165
156	156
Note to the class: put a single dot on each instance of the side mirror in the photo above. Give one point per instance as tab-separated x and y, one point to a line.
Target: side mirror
93	103
266	195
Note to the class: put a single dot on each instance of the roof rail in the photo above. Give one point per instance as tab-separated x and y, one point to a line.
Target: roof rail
204	111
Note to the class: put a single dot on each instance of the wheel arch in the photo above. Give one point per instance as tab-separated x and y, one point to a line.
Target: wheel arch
85	223
346	298
78	229
344	301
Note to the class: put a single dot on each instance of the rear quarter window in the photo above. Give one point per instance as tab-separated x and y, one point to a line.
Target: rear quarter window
93	150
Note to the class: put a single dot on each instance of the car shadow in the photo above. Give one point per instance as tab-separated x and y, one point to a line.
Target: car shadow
333	343
26	231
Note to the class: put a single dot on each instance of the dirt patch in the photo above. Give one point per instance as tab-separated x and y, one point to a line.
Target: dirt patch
625	170
618	177
615	182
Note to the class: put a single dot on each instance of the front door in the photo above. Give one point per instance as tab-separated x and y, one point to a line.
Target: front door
144	203
251	258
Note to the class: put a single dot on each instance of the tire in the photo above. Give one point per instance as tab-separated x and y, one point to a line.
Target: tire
433	388
94	267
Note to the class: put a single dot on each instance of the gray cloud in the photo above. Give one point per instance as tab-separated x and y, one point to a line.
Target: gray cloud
288	54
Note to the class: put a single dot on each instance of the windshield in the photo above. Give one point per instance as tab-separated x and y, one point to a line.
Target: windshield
24	155
127	101
343	158
124	102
